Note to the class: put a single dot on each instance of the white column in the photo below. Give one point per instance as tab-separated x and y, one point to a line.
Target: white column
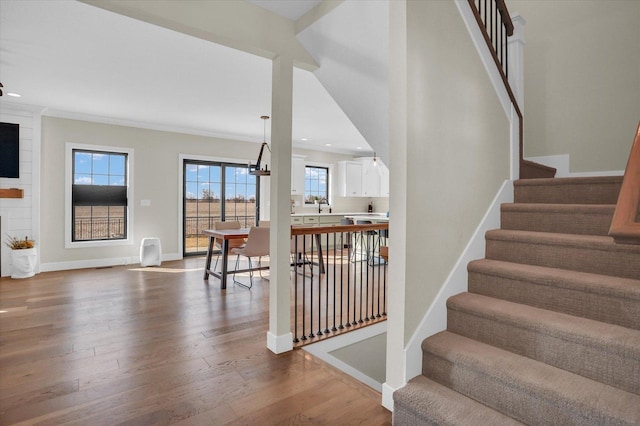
515	46
396	358
279	336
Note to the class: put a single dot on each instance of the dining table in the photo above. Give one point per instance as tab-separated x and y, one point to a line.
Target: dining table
225	235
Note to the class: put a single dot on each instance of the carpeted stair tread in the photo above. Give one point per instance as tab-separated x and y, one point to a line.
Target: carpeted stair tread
600	297
529	391
609	353
425	402
586	219
575	190
587	253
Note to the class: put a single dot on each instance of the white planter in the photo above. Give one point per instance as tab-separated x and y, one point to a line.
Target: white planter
23	263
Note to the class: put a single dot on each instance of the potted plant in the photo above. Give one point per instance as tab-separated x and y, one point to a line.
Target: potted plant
23	257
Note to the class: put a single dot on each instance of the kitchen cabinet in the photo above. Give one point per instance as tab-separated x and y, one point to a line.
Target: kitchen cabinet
297	176
350	178
363	178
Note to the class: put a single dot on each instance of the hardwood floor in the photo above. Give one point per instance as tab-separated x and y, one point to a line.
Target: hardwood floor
155	346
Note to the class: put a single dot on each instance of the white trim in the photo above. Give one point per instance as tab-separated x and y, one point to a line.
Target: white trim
36	148
321	350
435	320
101	263
68	180
387	396
279	344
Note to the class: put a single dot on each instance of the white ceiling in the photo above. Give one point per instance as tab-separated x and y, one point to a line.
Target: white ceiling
81	61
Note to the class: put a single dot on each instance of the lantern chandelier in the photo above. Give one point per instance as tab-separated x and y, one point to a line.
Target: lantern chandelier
256	170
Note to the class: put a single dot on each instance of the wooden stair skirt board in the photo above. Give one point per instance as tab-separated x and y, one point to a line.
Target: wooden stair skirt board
531	170
549	330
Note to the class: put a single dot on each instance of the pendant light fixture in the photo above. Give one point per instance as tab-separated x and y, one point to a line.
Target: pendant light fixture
256	170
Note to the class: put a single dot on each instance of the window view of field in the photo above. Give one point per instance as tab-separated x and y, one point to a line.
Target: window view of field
202	214
99	223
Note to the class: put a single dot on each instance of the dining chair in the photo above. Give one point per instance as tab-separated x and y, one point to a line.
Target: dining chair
234	243
264	223
257	245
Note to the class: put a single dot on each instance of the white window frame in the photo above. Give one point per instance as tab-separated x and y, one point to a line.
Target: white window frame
68	181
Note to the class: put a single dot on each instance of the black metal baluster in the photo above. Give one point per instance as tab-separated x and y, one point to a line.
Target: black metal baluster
304	288
496	26
326	274
506	52
341	326
311	291
318	242
355	286
335	238
485	14
384	290
368	259
379	266
361	277
295	290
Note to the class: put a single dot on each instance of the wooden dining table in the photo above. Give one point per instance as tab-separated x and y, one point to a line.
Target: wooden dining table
225	235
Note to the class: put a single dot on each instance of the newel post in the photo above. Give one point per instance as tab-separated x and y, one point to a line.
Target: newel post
515	47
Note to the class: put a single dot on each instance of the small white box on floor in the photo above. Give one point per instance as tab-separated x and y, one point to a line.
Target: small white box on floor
150	252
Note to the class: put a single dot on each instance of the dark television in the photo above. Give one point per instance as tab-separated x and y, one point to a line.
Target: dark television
9	150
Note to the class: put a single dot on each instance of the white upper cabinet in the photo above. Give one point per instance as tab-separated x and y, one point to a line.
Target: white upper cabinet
350	178
297	176
363	177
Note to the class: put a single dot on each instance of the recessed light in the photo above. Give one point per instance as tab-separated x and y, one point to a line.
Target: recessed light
304	139
327	144
15	95
359	147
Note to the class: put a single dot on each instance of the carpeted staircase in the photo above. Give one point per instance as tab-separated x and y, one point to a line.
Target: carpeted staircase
549	332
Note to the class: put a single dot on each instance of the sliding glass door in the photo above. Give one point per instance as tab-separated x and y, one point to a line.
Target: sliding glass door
216	191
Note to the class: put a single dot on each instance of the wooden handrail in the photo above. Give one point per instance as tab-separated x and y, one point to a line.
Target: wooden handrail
528	169
329	229
625	227
506	19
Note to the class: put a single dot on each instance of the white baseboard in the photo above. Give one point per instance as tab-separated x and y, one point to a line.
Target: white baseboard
321	350
435	320
279	344
100	263
387	396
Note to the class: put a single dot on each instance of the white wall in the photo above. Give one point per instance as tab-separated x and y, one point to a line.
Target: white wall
453	153
20	216
582	80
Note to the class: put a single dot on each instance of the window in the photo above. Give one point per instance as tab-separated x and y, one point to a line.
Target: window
99	195
316	184
216	191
